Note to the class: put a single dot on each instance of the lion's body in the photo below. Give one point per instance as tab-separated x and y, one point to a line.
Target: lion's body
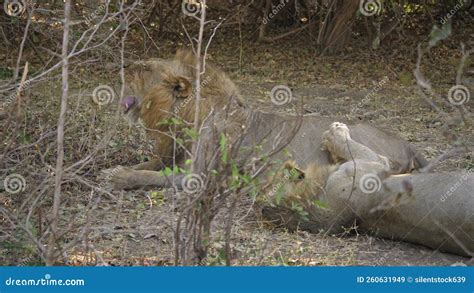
306	145
432	209
426	215
171	95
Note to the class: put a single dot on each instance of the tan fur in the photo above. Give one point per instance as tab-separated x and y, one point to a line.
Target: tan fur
408	207
302	189
166	90
172	95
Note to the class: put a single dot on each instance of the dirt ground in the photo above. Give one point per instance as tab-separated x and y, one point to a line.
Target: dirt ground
135	227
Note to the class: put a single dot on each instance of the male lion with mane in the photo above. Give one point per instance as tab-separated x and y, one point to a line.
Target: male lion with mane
334	157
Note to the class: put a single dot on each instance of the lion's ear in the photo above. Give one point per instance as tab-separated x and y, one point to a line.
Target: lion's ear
293	172
180	86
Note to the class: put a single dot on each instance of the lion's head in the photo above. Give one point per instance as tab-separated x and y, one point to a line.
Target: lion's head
159	89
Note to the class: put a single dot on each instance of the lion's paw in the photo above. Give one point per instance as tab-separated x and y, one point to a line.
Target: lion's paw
335	140
338	132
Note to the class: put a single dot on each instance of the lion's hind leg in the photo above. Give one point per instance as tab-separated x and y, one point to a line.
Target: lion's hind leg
338	142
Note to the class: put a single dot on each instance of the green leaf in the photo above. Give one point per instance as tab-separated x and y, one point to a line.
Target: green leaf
26	139
179	141
163	122
320	204
167	171
192	133
5	73
223	147
176	121
246	178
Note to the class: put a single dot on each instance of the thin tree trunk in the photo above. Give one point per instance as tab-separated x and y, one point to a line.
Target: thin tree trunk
51	252
197	113
339	28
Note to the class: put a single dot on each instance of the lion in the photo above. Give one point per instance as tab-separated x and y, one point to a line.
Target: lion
161	94
160	90
432	209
